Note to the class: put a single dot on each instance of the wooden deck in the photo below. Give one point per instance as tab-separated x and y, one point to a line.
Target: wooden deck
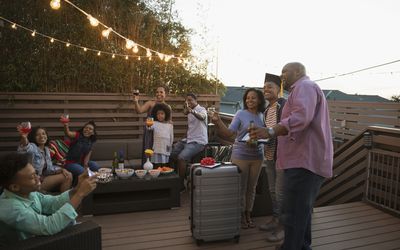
347	226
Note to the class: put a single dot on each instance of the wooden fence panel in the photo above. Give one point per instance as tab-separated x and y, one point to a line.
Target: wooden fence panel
113	113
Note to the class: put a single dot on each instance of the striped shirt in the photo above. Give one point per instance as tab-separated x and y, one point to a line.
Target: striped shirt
270	121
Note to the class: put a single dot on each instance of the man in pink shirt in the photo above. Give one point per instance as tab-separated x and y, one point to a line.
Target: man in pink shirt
305	152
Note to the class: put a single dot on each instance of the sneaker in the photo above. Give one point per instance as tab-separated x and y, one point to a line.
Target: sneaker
269	226
276	236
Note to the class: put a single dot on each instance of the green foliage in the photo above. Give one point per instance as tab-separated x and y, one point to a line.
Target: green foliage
395	98
35	64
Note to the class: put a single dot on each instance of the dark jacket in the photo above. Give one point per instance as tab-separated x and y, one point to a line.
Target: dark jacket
281	102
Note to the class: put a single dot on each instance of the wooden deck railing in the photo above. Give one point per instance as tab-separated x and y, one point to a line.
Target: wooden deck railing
383	185
350	165
113	114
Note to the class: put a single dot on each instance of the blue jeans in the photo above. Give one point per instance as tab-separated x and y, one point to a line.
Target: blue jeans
186	151
77	169
275	185
300	191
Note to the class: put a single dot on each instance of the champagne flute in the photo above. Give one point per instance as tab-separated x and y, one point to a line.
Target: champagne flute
211	112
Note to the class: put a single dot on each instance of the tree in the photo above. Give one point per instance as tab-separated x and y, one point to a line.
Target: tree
34	64
395	98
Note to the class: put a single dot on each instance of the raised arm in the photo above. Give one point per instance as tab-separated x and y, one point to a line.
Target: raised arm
67	132
222	129
140	109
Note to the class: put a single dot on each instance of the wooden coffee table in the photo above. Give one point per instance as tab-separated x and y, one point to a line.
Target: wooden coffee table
133	194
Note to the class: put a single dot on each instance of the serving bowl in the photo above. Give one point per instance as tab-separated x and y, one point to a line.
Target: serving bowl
154	173
140	173
124	173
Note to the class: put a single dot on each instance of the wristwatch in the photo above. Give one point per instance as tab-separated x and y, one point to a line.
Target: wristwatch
271	132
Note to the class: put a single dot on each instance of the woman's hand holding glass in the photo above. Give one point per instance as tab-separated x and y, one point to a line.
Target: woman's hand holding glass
64	119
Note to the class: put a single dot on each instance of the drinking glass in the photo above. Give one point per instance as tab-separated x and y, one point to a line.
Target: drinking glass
210	111
149	122
25	127
64	118
136	92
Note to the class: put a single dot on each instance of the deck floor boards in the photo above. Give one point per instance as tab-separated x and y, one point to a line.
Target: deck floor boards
346	226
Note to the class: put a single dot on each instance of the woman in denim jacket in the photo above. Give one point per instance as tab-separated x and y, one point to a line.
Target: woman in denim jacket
53	178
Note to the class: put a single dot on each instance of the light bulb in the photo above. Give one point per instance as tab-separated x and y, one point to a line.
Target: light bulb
150	58
55	4
34	33
113	56
179	60
138	58
67	44
106	32
135	49
52	40
85	49
14	26
167	58
148	53
129	44
99	53
93	21
126	57
160	55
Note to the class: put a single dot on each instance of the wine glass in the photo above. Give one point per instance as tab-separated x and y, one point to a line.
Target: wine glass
135	92
211	112
149	122
25	127
64	118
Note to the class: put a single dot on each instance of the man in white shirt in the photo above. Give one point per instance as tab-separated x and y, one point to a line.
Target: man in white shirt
196	138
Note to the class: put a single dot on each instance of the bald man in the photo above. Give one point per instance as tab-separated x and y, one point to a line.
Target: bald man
305	152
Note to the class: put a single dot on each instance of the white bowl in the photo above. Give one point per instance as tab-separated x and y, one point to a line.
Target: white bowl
140	173
104	170
154	173
124	173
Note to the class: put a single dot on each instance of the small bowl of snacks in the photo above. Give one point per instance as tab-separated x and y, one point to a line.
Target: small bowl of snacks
154	173
141	173
124	173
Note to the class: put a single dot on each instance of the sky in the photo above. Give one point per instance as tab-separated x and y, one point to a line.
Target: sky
245	39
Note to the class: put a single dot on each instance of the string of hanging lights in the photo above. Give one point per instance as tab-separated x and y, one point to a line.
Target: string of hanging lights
130	44
34	33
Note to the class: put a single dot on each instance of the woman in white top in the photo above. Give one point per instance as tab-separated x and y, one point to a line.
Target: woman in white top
163	133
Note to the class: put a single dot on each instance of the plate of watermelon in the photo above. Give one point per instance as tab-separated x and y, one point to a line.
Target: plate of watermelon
209	162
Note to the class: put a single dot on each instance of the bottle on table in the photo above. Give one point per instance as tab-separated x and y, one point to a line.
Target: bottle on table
115	163
121	160
252	142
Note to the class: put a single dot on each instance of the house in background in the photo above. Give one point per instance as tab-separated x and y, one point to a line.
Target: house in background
232	101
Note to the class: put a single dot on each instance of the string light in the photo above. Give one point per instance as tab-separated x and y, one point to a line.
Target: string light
129	44
93	21
105	33
160	55
148	53
68	44
14	26
55	4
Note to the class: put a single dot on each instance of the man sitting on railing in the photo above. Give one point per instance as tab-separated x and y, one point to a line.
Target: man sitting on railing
24	212
196	139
